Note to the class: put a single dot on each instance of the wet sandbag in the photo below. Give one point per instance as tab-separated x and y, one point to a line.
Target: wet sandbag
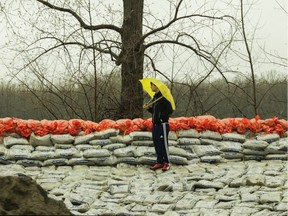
40	140
62	139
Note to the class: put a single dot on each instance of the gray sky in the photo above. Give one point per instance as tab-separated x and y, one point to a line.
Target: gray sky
272	31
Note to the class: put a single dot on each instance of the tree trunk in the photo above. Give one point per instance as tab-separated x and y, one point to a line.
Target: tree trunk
131	58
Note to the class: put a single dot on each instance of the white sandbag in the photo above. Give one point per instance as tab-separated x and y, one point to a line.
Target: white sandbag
29	163
17	154
40	140
269	138
210	142
178	160
83	147
141	135
23	147
254	157
100	142
80	161
105	161
113	146
5	161
96	153
56	162
205	150
277	156
10	141
278	147
126	139
190	133
44	148
125	152
232	155
228	146
67	153
144	151
127	160
247	151
177	151
234	137
210	135
2	150
142	143
211	159
188	141
106	134
146	160
191	156
172	135
84	139
42	155
62	139
63	146
255	144
172	142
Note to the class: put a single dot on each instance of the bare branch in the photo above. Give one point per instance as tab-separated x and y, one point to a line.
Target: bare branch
80	20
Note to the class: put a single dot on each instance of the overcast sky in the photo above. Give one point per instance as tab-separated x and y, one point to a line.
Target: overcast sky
271	21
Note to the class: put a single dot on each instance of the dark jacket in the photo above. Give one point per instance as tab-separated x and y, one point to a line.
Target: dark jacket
161	109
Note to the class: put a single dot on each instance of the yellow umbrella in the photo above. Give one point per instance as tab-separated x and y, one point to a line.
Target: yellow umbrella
165	91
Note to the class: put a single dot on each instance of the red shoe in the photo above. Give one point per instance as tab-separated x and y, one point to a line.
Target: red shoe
156	166
166	167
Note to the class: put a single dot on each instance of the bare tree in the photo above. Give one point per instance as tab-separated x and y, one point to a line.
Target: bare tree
127	44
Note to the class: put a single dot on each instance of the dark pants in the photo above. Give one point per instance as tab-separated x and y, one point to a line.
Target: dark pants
160	139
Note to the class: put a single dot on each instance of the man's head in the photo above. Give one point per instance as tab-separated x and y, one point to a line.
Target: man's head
154	88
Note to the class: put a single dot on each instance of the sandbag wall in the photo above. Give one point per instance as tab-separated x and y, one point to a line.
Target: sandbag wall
108	147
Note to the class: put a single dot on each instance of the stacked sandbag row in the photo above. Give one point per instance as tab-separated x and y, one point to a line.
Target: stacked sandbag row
108	147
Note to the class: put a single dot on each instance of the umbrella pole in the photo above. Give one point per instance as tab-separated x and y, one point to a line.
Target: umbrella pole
150	102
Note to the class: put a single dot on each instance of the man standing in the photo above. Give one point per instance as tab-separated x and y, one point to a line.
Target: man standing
161	109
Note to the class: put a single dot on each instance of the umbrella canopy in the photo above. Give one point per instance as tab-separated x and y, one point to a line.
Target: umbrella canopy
165	91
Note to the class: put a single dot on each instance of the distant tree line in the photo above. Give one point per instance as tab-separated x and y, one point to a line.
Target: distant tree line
75	100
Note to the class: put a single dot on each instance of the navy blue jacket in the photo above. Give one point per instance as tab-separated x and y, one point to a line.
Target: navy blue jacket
161	109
